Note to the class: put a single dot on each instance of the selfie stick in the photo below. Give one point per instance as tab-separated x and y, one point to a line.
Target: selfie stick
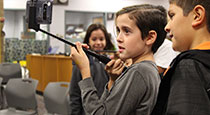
32	24
101	58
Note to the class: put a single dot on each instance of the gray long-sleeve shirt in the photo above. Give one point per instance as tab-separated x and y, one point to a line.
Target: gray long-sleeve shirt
133	93
100	78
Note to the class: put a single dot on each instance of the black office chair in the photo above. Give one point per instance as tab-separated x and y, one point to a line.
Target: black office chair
21	97
56	98
8	71
1	99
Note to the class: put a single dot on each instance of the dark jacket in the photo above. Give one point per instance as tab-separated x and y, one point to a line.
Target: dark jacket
185	88
100	78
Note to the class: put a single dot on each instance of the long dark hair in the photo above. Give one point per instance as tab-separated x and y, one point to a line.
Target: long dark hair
93	27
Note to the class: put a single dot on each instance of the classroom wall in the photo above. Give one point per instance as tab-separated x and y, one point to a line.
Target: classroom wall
15	20
57	27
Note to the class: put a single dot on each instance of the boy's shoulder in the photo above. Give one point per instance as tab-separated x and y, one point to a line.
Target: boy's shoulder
190	56
192	61
144	67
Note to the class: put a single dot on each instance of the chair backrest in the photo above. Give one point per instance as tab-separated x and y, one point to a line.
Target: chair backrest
10	70
56	97
1	80
21	93
1	98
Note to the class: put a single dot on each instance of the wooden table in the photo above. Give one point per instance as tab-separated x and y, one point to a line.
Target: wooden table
49	68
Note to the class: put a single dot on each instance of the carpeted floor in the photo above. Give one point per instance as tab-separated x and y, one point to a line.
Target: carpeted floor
41	107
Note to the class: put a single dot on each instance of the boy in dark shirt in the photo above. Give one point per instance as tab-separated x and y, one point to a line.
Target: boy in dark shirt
185	87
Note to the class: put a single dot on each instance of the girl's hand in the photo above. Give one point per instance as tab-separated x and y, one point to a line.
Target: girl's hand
81	60
114	68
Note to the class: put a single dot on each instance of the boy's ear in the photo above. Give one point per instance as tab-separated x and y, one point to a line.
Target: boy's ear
151	37
198	15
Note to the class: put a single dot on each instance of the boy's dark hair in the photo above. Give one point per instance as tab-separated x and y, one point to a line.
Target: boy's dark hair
93	27
148	17
188	5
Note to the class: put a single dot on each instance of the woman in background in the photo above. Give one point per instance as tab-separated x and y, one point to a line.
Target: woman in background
98	39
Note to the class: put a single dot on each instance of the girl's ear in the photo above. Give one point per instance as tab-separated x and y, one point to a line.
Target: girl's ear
151	37
198	15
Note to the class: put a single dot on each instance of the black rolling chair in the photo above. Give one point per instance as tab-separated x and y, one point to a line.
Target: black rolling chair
8	71
56	98
21	97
